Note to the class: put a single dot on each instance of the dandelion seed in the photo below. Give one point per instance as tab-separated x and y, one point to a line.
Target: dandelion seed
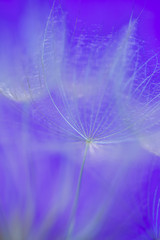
99	86
99	90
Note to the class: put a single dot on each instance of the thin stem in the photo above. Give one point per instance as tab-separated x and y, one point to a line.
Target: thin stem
75	204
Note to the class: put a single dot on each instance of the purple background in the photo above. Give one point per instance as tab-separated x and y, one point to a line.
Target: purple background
38	177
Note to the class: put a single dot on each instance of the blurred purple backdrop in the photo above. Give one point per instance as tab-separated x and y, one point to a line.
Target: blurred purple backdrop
38	177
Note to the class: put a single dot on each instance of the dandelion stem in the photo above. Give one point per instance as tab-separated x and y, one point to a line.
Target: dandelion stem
75	204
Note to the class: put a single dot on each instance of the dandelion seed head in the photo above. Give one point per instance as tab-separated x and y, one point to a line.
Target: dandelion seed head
82	83
98	87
